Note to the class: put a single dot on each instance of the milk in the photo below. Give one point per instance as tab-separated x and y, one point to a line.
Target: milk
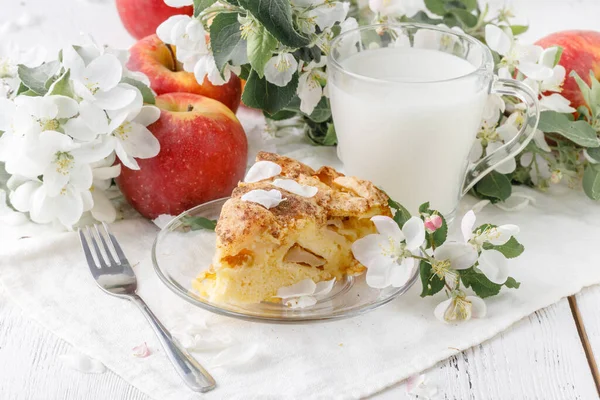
407	134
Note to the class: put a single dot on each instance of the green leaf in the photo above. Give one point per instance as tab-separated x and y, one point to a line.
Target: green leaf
511	283
308	54
494	185
226	41
591	181
402	215
281	115
585	91
265	96
579	132
511	249
197	223
276	16
36	78
424	208
558	55
322	111
465	18
471	5
245	72
261	45
480	284
518	29
330	138
436	6
201	5
62	86
594	153
430	281
422	17
147	93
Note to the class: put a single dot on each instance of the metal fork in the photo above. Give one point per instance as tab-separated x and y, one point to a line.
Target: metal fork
114	275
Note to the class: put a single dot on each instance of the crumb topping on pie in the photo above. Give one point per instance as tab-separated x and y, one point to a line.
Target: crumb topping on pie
260	250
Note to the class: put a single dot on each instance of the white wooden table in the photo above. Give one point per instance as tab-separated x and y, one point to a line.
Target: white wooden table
542	357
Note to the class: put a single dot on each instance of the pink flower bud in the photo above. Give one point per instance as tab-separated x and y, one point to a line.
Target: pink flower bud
433	223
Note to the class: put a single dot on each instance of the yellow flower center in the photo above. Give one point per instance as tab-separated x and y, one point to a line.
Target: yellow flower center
459	310
64	162
441	268
123	130
49	124
92	86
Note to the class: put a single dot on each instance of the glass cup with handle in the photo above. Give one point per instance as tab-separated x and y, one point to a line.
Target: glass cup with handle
407	102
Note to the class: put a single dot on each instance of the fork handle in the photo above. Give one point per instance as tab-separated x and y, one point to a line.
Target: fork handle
192	373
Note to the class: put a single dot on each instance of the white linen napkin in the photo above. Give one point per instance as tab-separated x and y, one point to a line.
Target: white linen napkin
48	277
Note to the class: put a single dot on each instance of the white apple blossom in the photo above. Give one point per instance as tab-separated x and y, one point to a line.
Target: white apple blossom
280	69
319	13
266	198
294	187
310	89
388	253
193	50
540	168
305	293
385	8
491	262
515	55
460	307
451	257
103	172
262	170
10	57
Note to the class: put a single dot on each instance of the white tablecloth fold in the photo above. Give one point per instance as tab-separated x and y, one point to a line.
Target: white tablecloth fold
48	277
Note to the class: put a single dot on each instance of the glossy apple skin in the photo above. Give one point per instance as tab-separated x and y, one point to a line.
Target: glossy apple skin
142	17
203	156
152	57
581	53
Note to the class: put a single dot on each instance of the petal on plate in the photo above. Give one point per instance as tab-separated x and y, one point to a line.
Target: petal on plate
81	363
301	302
104	72
478	307
305	287
324	287
78	129
386	226
116	98
414	231
480	205
440	310
467	224
103	209
235	355
262	170
294	187
497	39
140	142
93	116
267	199
460	255
493	265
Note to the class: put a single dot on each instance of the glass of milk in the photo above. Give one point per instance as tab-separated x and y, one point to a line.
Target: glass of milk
407	103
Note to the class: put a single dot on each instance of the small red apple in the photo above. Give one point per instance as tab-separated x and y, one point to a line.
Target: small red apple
203	155
581	53
142	17
157	60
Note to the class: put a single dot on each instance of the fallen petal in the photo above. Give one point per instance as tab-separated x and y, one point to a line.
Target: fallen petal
303	288
301	302
163	220
294	187
81	363
267	199
324	287
141	351
235	355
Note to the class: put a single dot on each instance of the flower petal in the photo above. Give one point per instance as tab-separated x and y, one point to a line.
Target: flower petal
505	167
535	71
105	72
379	275
476	151
178	3
414	230
140	142
148	115
103	209
66	106
388	227
116	98
492	264
539	138
467	224
516	202
294	187
401	273
478	307
556	102
301	302
163	220
305	287
141	351
20	198
497	39
78	129
267	199
369	250
502	234
107	172
460	255
280	69
93	116
81	363
234	355
440	310
164	30
324	287
7	110
262	170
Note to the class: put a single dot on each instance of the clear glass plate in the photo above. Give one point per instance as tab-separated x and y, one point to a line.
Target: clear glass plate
180	254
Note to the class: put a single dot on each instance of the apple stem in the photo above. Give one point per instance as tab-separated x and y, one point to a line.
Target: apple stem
172	55
190	107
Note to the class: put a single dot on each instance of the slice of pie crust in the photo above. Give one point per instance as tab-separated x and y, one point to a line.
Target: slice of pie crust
260	250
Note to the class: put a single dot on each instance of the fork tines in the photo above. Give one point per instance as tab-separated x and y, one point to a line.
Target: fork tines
104	251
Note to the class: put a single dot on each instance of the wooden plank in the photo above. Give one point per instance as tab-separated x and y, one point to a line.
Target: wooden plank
30	369
588	304
541	357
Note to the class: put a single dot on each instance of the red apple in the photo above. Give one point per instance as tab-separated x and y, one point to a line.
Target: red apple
157	60
581	53
142	17
203	155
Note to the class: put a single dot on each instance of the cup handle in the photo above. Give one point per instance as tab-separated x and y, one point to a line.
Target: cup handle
521	91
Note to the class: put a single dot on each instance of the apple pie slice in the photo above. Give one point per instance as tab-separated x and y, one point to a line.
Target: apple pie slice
307	232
